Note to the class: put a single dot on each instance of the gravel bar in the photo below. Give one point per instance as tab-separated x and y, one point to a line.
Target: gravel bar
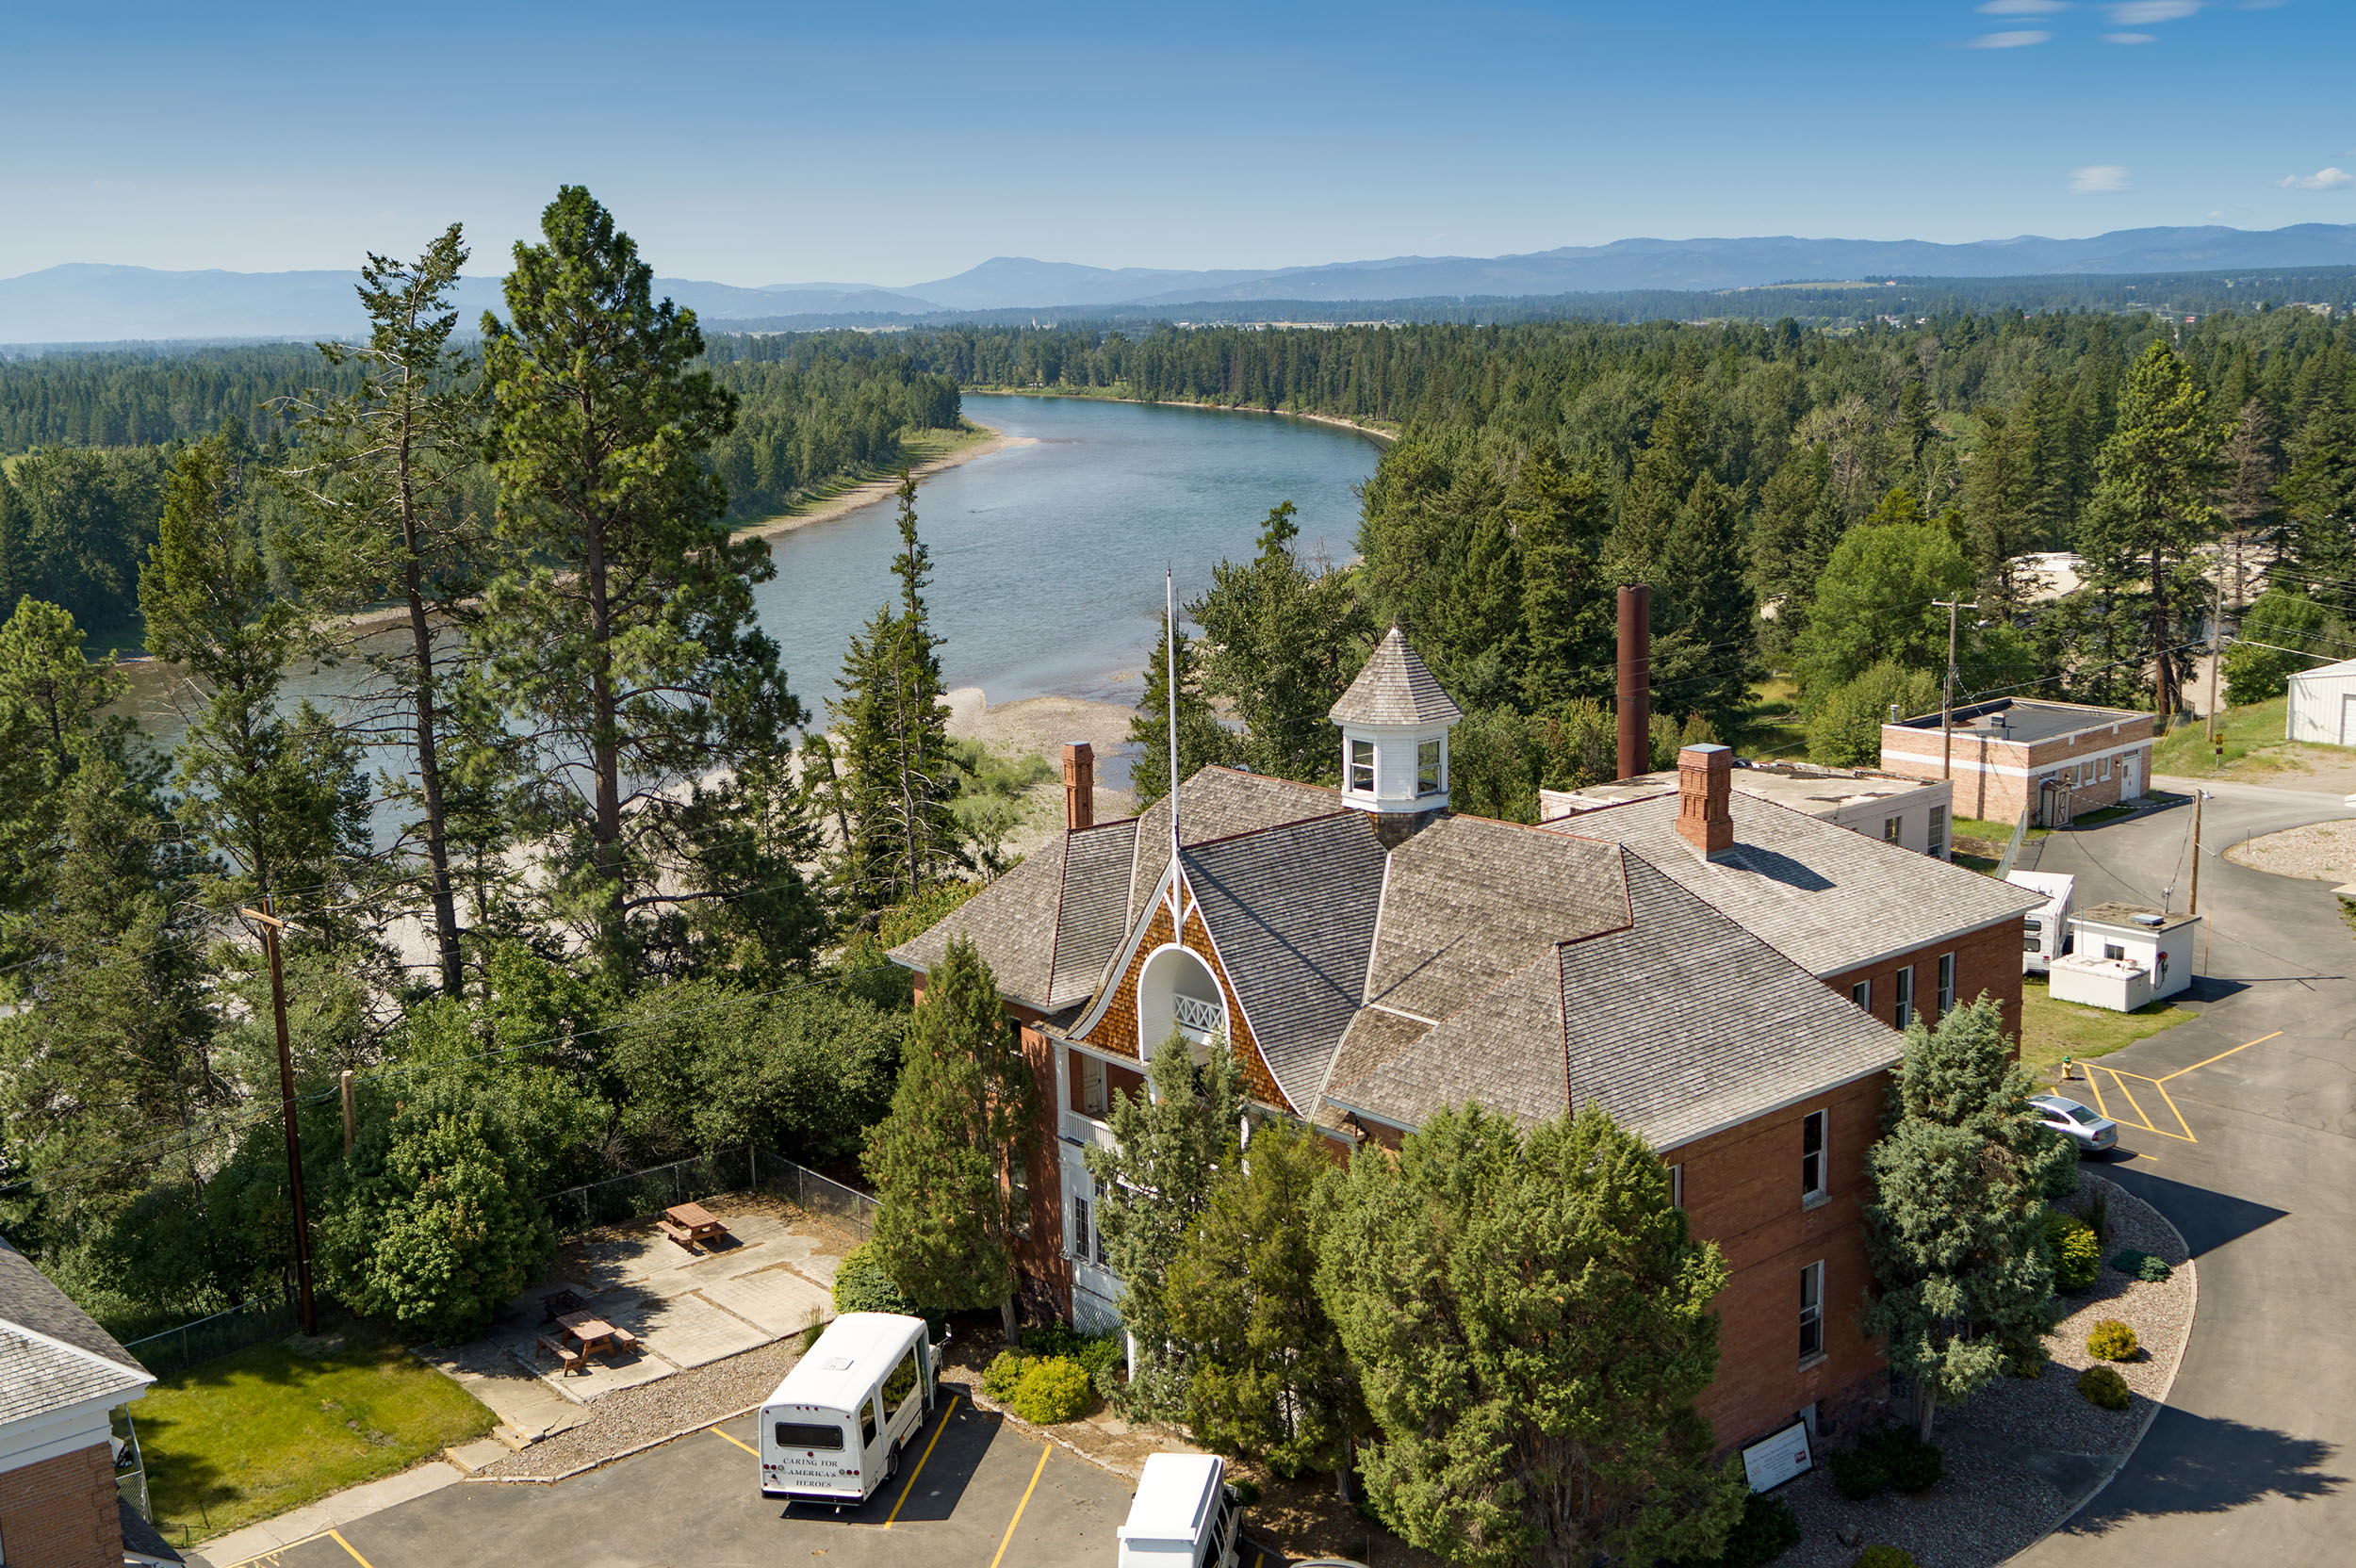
2026	1452
629	1419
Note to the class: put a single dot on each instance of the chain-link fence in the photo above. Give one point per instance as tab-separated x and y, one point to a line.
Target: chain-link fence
651	1191
177	1350
830	1201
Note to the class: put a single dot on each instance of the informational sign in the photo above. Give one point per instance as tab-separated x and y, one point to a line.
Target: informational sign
1781	1458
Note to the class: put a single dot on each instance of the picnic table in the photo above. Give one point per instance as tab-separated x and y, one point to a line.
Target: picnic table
692	1223
594	1334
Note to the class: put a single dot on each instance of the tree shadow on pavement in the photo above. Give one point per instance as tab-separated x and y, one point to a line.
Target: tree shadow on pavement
2207	1219
2205	1464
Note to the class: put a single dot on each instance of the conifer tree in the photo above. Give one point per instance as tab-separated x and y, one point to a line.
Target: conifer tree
620	636
1202	740
945	1161
2319	502
1168	1150
1269	1375
897	780
1956	1227
1282	644
15	574
383	482
1701	637
2151	510
1530	1322
1561	517
280	794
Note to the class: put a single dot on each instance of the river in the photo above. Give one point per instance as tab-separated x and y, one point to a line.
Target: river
1047	555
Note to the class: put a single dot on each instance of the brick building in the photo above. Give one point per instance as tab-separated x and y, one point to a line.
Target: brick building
60	1376
2057	757
1371	957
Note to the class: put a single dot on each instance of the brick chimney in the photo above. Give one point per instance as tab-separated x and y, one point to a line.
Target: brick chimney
1705	780
1079	786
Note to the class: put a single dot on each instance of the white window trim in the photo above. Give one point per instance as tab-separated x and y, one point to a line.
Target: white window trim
1677	1185
1861	994
1813	1313
1946	984
1810	1197
1902	1009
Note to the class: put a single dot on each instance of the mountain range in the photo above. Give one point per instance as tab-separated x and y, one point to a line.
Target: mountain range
86	302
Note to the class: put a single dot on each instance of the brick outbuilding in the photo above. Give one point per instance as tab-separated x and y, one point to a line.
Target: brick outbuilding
2058	757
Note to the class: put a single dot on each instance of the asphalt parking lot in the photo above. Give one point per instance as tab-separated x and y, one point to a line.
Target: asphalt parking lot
987	1496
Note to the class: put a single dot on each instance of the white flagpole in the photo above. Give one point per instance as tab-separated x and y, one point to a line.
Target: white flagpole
1170	717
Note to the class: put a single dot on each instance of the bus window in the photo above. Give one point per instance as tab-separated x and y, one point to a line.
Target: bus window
866	1422
900	1385
796	1434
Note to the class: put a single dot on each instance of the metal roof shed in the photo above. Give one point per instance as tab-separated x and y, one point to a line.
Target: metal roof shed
2322	708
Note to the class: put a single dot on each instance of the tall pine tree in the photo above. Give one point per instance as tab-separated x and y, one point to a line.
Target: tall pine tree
1202	740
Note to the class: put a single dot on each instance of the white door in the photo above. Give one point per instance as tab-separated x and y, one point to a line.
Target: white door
2131	776
2348	720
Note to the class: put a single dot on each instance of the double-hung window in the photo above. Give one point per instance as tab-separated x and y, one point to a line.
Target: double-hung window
1812	1156
1890	826
1429	776
1861	994
1083	1234
1936	847
1946	984
1362	766
1904	1012
1812	1313
1677	1185
2102	769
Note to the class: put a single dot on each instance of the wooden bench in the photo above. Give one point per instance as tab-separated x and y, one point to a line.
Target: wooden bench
567	1358
679	1233
624	1338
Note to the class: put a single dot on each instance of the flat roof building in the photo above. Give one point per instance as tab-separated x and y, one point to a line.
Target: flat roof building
2056	759
1912	813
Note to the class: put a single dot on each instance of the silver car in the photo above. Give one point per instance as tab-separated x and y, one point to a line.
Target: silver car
2095	1133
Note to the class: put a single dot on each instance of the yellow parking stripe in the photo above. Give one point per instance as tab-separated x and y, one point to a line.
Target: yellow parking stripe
336	1536
2094	1084
1007	1539
2121	1081
717	1432
2219	1057
938	1430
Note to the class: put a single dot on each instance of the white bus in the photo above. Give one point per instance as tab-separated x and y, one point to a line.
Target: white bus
833	1430
2044	932
1183	1516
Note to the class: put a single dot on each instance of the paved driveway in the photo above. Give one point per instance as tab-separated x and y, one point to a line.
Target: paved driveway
985	1496
2252	1461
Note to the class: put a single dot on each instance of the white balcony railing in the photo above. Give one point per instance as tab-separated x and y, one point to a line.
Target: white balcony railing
1197	1019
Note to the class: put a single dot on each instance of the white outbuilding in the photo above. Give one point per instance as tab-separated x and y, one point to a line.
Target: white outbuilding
2122	956
2323	706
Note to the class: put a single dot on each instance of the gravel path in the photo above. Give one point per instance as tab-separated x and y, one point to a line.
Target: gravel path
2325	851
2022	1456
629	1419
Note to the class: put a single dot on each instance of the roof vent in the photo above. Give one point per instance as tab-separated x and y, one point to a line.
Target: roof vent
2147	917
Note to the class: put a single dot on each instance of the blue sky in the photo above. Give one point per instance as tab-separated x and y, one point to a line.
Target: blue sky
778	143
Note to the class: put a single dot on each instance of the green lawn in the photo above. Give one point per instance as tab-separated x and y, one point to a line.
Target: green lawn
1771	727
2252	737
274	1426
2051	1030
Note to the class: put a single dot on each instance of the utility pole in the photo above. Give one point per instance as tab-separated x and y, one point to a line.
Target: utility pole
1947	689
271	926
350	1114
2193	892
2217	657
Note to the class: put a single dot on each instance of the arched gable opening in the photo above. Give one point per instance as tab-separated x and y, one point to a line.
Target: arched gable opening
1177	990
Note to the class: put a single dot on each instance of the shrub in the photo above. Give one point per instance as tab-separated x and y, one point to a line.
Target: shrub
2103	1386
1247	1492
2077	1253
2027	1357
1912	1464
1099	1353
2112	1341
2098	1211
1052	1389
2140	1265
861	1284
1002	1374
1859	1472
1884	1557
1767	1529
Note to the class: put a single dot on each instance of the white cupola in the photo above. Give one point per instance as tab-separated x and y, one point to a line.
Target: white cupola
1394	722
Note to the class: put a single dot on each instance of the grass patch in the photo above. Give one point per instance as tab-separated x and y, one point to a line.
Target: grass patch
273	1427
2051	1030
2253	736
1771	725
2107	814
1995	832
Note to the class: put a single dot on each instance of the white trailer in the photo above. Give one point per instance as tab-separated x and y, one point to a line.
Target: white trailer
2044	931
1183	1516
833	1430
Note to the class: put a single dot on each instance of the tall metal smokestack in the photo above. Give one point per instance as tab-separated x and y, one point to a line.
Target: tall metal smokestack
1635	687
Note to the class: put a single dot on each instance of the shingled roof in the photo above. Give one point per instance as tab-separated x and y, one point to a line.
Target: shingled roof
1395	688
1826	897
1529	969
53	1356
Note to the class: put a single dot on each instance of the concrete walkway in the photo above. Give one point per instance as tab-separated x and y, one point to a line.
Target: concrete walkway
275	1535
2251	1461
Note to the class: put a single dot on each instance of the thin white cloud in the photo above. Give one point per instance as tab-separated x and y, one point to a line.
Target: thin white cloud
2022	8
2138	14
2019	38
2322	179
2098	179
2130	38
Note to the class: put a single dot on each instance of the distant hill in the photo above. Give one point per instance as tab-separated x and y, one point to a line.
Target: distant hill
92	303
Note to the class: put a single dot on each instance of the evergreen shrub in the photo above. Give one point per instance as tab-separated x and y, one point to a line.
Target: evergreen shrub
1912	1464
2103	1386
1052	1389
1859	1472
861	1284
2141	1265
1884	1557
2076	1250
2112	1341
1767	1529
1099	1353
